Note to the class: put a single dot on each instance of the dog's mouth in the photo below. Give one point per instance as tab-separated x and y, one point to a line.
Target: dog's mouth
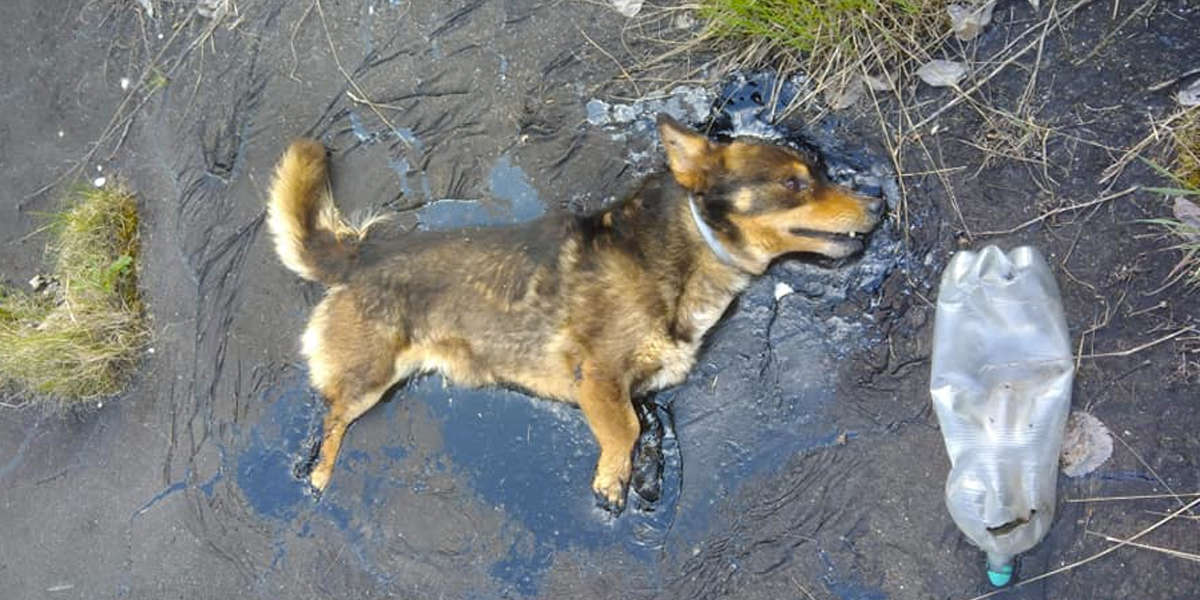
841	244
849	237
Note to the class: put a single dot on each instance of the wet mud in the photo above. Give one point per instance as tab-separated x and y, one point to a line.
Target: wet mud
799	459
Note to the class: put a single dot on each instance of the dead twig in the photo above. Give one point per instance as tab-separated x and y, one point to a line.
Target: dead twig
1061	209
292	40
362	96
1103	43
1151	469
606	53
121	115
1114	170
1005	63
1159	513
1096	556
1124	498
807	593
1162	85
1137	349
1168	551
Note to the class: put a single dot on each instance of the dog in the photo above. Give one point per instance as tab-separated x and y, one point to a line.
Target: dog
593	310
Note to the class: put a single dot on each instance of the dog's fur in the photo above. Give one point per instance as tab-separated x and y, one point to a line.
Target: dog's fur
591	310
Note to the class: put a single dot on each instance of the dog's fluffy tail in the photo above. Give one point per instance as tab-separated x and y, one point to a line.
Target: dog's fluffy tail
311	237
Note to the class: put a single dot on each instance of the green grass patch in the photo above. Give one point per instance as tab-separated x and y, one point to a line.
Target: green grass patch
808	26
79	338
832	38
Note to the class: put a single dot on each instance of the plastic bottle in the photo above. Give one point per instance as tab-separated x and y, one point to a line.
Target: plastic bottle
1001	380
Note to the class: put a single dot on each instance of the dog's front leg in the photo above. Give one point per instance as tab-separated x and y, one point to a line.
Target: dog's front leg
607	406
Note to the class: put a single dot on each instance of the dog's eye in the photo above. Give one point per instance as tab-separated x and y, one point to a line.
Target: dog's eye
794	184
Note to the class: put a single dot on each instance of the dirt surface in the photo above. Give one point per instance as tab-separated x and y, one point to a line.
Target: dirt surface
801	458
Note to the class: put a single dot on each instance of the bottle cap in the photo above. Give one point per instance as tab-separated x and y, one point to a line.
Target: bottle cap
1000	577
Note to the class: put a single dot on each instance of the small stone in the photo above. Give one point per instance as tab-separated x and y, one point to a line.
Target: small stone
99	181
782	289
623	113
1190	95
597	112
840	98
879	84
942	73
1087	443
967	21
124	83
1188	213
629	8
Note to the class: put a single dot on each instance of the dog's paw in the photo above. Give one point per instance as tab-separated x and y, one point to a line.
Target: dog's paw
319	478
303	468
648	457
647	473
609	487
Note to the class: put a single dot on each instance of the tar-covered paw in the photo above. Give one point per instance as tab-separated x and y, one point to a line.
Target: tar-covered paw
648	457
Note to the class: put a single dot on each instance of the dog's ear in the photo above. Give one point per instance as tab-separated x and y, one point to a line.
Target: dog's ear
692	157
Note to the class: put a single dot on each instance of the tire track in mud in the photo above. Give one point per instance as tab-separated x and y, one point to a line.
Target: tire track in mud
215	255
203	139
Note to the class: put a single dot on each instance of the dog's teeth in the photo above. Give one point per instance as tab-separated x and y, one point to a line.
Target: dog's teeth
853	233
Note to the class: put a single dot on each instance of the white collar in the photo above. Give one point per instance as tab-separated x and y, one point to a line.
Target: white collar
710	236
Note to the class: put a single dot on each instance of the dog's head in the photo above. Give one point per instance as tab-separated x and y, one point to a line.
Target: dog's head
767	200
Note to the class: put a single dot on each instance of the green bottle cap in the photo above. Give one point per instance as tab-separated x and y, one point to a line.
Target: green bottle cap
1001	577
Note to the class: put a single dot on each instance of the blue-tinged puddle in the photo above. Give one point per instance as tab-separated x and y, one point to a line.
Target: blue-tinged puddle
532	460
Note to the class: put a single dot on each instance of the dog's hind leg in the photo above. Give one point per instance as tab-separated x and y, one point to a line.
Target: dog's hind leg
342	412
606	404
352	364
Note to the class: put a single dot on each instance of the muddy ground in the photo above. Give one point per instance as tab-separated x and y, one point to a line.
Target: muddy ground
802	459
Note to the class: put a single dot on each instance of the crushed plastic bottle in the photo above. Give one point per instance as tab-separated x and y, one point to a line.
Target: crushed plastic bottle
1001	380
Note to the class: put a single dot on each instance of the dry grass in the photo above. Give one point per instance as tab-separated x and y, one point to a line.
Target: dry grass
79	338
1184	175
1118	543
1187	150
836	42
847	50
871	51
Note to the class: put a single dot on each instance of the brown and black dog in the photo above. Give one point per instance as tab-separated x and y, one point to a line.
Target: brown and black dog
592	310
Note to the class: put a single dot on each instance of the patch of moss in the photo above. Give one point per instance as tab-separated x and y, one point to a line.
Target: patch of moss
78	338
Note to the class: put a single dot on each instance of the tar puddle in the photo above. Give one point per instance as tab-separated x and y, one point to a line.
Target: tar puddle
760	393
